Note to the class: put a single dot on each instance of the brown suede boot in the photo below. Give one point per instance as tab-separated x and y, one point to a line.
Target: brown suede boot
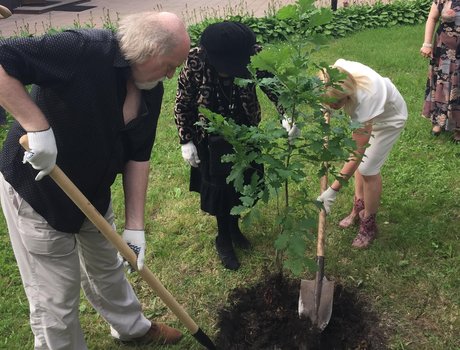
367	231
158	333
353	218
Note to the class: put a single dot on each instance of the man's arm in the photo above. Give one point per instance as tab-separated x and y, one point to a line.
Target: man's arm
42	144
135	180
15	99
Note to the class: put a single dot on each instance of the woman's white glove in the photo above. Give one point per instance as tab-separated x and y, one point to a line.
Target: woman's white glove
327	198
136	241
292	129
42	152
190	154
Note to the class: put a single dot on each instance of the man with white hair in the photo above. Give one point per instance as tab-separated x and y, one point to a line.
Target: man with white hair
93	110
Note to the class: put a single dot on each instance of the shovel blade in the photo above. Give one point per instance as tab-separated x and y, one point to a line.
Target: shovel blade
318	308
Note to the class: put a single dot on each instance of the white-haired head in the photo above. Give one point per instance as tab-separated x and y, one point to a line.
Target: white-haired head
146	34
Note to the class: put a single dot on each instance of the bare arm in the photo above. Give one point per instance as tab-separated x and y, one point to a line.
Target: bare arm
361	137
426	50
15	99
135	180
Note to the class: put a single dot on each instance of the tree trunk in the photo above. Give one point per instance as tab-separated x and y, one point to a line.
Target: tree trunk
334	5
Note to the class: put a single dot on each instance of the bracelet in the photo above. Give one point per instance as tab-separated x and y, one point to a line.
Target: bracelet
427	45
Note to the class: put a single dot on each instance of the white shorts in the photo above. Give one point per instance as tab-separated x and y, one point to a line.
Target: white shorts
384	136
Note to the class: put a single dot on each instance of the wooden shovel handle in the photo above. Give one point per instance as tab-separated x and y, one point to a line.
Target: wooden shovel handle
321	223
107	230
322	213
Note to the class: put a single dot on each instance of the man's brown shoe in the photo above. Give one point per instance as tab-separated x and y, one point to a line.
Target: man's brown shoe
158	333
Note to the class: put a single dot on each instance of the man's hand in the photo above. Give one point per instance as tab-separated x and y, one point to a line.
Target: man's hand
136	241
190	154
292	129
327	198
42	152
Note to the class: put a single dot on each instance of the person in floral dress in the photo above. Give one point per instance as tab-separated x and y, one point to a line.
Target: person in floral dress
442	98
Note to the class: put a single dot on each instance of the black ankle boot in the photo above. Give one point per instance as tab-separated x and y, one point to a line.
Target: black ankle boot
240	241
226	253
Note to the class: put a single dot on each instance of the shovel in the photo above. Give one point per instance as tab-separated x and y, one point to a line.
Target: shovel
107	230
315	298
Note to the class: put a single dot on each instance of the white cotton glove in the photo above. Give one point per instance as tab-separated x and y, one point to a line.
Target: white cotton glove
190	154
292	129
327	198
42	152
136	241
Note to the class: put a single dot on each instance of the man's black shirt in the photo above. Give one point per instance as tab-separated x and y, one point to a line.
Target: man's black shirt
79	82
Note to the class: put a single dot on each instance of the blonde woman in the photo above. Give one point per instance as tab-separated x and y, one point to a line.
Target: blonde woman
373	101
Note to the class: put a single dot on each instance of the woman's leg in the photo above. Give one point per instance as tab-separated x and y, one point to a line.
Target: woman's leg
358	203
385	133
224	244
368	230
372	186
238	239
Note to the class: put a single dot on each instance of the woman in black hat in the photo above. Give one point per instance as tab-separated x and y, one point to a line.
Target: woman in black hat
207	80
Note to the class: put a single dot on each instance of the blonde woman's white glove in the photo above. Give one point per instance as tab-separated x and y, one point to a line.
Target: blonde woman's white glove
190	154
327	198
292	129
42	152
136	241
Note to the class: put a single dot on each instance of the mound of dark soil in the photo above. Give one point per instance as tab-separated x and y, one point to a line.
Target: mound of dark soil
265	317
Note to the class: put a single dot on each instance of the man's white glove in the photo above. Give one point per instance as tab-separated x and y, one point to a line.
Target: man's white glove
292	129
136	241
327	198
42	152
190	154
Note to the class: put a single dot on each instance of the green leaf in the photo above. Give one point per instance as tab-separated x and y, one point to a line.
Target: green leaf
247	201
321	17
295	266
306	5
281	241
287	12
238	210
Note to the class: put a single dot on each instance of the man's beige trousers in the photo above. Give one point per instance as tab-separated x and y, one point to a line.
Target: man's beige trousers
53	266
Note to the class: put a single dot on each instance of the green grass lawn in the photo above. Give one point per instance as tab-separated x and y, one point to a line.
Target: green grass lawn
410	274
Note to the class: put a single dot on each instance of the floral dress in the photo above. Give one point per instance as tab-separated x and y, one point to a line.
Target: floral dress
442	98
199	85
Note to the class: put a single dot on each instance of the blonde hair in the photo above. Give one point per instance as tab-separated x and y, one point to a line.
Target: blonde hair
344	88
145	34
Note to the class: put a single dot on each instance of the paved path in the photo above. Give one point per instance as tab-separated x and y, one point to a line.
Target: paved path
190	10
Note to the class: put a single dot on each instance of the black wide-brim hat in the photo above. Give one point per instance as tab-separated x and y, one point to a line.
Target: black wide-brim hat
229	47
